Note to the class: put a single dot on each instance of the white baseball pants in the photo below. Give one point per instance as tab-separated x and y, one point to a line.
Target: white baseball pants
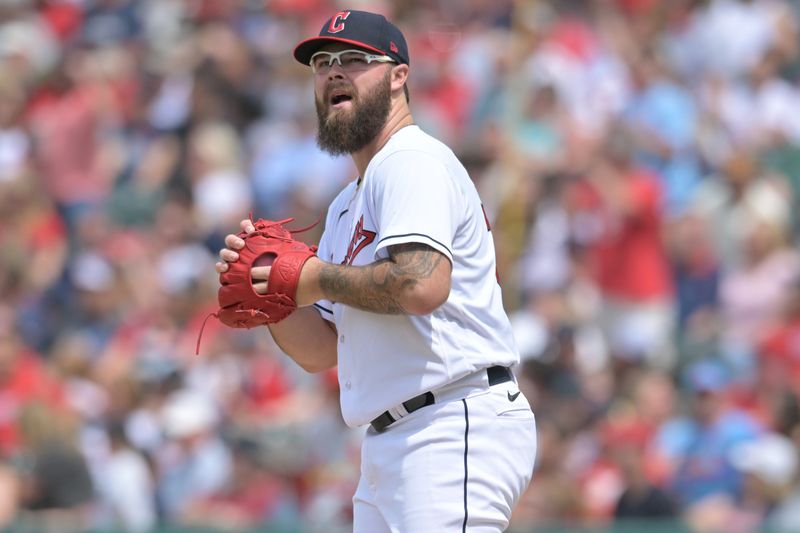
459	465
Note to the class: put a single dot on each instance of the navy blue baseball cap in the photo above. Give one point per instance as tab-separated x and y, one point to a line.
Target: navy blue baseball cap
363	29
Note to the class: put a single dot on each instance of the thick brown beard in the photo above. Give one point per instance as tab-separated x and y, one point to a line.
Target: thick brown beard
346	133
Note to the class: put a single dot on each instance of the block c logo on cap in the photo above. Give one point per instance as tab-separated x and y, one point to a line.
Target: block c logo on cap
337	22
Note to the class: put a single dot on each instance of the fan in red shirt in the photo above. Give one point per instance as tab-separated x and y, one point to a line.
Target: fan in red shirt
618	219
23	380
779	353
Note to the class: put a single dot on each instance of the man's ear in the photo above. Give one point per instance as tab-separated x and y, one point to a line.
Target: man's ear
399	77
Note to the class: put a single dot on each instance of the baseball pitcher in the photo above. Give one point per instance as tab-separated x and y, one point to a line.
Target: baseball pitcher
401	294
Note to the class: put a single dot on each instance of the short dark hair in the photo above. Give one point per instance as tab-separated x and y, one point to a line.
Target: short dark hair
405	90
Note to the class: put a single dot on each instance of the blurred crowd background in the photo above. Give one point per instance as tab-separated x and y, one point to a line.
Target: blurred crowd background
640	164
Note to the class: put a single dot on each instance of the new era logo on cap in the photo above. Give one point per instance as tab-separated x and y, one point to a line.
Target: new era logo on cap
362	29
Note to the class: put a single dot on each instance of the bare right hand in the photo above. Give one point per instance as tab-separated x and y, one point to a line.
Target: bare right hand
233	243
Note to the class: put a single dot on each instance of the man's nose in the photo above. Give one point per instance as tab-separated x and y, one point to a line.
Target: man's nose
336	71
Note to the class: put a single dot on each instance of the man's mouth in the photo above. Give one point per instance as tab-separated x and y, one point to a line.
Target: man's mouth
339	99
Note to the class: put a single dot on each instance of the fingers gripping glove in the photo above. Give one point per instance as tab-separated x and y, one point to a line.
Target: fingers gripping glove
240	305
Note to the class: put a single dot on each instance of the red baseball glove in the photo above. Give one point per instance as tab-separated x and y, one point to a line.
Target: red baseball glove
240	305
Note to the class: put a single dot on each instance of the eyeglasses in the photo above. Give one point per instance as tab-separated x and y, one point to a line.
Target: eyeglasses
349	60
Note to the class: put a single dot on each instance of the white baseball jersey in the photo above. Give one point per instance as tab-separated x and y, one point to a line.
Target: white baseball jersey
414	190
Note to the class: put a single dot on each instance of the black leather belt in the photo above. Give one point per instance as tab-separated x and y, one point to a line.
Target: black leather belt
496	374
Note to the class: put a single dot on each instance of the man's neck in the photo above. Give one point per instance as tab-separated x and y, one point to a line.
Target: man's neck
399	118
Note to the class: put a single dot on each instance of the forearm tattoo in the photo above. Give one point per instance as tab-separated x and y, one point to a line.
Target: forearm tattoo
380	287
